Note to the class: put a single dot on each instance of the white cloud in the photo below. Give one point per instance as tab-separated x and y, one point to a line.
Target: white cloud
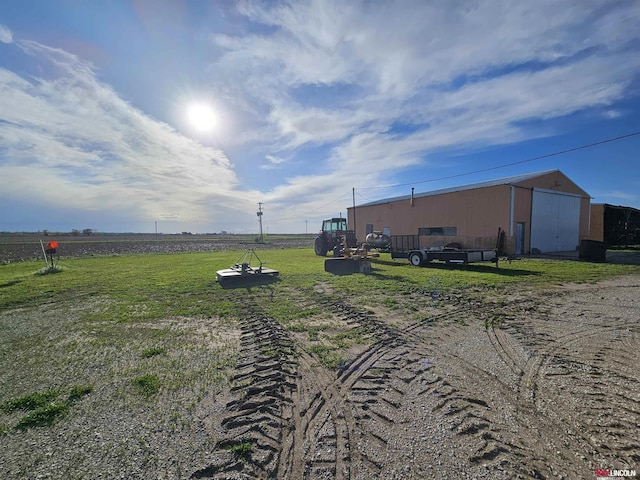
370	87
6	36
273	162
469	74
611	114
397	47
419	62
70	141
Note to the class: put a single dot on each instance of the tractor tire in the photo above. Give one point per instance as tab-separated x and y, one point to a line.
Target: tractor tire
415	259
320	246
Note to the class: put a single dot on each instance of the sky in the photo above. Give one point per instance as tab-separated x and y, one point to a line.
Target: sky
125	115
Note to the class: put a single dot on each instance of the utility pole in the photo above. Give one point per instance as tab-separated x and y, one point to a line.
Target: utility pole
354	209
260	220
305	228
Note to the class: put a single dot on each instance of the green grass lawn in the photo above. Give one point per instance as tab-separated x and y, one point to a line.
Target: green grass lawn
159	285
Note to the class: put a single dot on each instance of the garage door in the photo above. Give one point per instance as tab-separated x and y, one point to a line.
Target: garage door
555	221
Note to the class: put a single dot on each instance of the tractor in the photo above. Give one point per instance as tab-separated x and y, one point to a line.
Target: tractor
331	236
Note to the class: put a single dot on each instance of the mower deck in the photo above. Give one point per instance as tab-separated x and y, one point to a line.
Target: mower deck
243	271
235	273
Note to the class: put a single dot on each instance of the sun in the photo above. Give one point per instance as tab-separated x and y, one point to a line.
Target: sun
202	117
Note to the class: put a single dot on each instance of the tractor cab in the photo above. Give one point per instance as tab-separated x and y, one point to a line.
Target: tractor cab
334	227
331	235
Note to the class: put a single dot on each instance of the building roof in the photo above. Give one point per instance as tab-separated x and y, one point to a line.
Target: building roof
491	183
617	207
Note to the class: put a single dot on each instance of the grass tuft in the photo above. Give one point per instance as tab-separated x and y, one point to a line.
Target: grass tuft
49	270
31	401
313	331
329	357
241	450
148	384
277	351
43	416
43	410
495	321
153	351
79	391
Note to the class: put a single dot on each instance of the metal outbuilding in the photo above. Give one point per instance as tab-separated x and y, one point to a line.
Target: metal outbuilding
538	212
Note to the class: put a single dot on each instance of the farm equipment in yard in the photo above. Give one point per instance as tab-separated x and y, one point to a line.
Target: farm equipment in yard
378	240
424	256
352	260
334	233
408	246
242	271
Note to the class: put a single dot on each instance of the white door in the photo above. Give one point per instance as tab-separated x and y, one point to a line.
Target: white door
519	238
555	221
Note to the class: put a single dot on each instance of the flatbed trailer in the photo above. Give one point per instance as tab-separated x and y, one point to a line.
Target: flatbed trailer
408	247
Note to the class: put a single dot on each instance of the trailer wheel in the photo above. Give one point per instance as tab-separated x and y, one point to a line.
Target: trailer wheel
415	259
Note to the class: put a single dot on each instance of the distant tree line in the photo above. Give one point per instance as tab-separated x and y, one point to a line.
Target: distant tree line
75	232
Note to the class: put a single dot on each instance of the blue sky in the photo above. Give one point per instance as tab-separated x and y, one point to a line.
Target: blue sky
310	100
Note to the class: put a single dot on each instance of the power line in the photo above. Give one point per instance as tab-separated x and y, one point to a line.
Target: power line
362	196
548	155
295	216
540	157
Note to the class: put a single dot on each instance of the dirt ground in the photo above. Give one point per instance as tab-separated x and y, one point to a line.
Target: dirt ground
528	385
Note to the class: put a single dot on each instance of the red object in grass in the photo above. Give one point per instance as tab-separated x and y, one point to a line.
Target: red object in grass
51	247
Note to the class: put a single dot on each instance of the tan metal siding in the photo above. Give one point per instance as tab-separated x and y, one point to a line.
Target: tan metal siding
522	215
476	213
596	228
553	181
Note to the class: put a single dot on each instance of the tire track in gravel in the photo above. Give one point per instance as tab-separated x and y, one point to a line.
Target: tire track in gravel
374	385
562	439
290	409
358	386
308	422
323	427
377	394
546	355
532	360
259	418
368	392
327	427
461	400
332	406
506	350
607	407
